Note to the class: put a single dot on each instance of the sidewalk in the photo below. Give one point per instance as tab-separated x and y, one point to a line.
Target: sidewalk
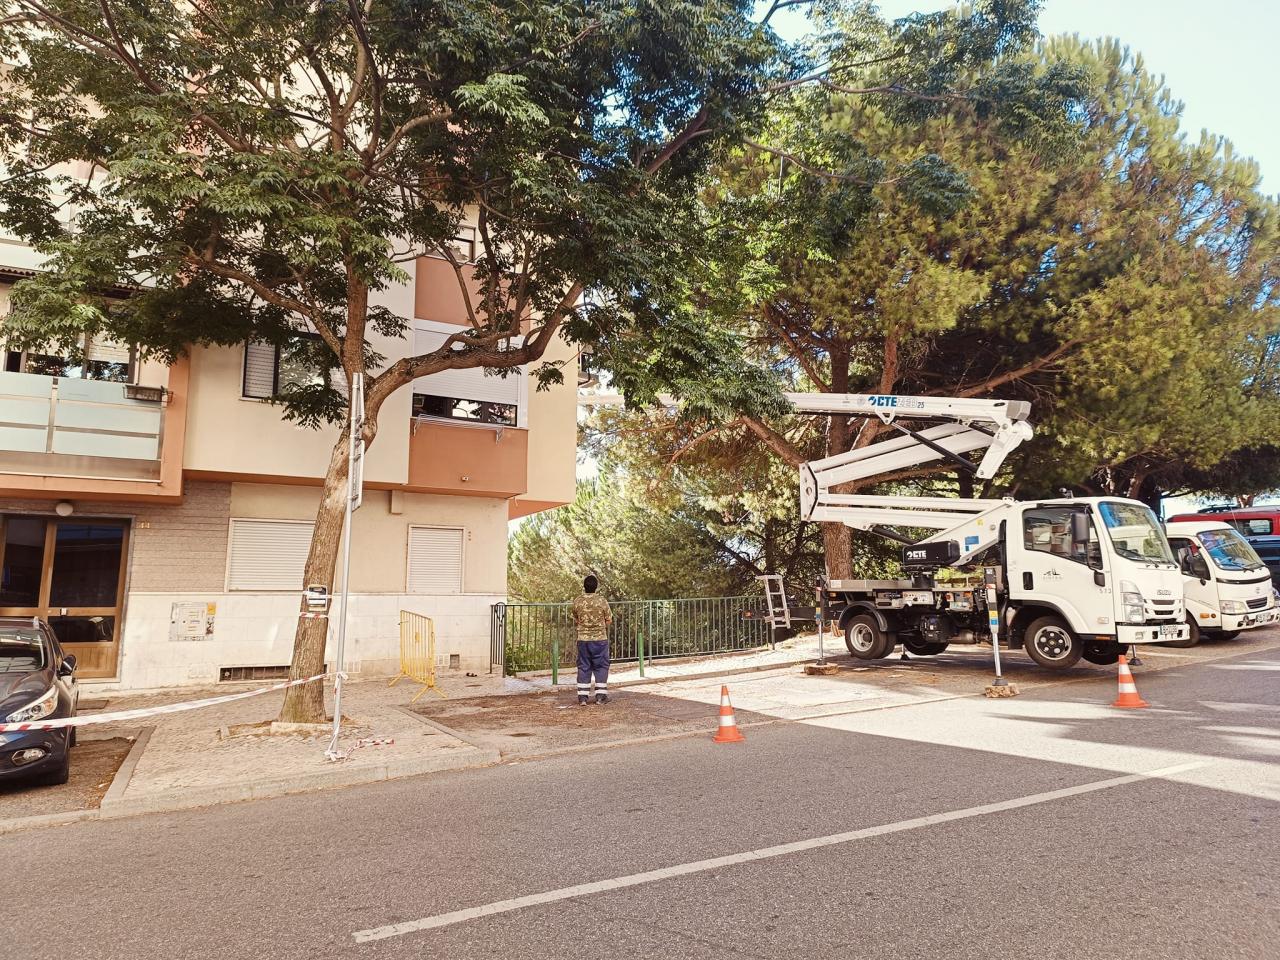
223	753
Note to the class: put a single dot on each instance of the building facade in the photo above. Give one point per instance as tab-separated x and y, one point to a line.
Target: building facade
159	516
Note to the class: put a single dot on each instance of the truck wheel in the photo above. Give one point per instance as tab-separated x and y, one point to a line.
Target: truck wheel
922	648
1228	634
865	639
1051	643
1193	636
1103	654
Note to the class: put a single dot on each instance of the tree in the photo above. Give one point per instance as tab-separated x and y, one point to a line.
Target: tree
256	169
1023	270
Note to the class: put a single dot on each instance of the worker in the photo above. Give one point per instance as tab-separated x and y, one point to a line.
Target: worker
591	618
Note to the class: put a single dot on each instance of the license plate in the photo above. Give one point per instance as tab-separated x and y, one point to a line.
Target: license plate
1170	630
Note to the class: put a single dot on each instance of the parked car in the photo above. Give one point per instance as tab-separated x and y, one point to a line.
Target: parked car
1250	521
1268	551
37	682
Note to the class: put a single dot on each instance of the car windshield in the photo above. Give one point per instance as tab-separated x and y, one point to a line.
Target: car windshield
1134	532
1229	550
22	649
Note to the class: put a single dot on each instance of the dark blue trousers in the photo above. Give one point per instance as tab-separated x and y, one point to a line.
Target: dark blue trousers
593	663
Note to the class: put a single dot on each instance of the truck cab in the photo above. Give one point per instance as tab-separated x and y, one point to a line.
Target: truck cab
1226	584
1101	566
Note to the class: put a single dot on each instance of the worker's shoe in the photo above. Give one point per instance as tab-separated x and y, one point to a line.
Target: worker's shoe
582	701
602	698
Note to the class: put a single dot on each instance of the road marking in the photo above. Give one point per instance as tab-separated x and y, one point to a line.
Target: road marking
750	856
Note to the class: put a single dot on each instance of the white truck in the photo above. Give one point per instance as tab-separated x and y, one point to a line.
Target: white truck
1070	577
1226	586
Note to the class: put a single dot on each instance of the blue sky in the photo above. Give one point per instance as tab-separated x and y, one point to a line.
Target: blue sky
1218	58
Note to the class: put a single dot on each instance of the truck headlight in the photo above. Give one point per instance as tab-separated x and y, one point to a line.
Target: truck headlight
1131	598
37	709
1234	606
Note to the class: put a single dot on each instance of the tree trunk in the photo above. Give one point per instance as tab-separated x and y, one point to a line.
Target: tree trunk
305	703
837	544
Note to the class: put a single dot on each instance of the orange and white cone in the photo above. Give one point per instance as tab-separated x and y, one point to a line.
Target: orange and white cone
1128	689
728	732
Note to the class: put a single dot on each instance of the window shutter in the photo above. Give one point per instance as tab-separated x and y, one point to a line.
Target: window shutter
259	370
268	554
473	384
435	560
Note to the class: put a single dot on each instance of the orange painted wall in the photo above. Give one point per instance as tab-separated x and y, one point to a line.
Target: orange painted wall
437	295
442	454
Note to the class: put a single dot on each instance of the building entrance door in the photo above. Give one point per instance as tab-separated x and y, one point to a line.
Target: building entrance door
71	572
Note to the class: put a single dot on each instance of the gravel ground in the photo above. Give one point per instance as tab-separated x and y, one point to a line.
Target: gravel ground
542	722
93	764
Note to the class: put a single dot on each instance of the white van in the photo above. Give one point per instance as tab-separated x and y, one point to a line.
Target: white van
1226	585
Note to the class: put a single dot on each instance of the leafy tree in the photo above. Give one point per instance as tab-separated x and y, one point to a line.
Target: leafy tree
259	168
1120	284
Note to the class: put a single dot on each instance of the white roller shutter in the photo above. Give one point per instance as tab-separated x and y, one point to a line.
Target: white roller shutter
435	560
268	555
259	370
473	384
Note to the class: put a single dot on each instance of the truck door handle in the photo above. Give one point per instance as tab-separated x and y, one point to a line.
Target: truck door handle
1027	582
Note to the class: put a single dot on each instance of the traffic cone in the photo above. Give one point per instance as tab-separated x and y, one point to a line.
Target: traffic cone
728	731
1128	689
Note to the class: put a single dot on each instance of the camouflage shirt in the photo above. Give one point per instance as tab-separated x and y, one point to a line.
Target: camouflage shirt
592	617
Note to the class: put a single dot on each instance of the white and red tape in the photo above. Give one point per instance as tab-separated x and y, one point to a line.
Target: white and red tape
151	711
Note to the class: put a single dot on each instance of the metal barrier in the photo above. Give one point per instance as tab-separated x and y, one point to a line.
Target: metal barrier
540	636
417	653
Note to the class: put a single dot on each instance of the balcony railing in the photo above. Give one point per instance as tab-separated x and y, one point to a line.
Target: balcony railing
65	427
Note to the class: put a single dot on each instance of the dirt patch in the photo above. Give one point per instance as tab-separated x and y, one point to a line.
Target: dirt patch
93	765
538	722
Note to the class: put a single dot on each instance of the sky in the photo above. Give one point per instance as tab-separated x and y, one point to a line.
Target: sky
1218	58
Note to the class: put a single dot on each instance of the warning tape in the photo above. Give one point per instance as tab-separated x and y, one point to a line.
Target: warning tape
152	711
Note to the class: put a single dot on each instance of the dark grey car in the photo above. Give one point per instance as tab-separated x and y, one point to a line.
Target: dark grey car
1268	551
37	682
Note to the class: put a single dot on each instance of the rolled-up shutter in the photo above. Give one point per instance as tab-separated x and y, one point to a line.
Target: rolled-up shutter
435	560
268	555
259	370
472	384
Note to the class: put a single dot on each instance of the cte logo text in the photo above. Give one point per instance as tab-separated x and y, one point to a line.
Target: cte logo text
877	401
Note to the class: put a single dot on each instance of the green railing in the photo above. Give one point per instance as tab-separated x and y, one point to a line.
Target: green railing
540	636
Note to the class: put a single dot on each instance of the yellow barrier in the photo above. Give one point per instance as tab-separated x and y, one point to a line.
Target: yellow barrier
417	652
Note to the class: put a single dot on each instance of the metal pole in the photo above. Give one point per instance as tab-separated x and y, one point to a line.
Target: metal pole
346	569
555	658
821	625
640	650
993	621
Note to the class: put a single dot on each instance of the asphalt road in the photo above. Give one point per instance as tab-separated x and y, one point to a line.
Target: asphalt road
956	829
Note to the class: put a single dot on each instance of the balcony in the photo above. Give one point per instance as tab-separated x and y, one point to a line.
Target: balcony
62	427
467	460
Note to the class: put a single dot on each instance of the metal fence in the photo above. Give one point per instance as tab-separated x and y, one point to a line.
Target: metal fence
539	636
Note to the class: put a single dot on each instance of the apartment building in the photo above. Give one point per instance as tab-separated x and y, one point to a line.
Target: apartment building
159	516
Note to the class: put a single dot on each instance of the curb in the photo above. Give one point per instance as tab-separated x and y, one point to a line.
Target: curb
120	782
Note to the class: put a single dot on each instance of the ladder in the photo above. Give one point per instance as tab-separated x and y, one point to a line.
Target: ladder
776	596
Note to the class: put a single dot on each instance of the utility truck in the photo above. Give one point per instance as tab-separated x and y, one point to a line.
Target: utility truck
1062	578
1226	586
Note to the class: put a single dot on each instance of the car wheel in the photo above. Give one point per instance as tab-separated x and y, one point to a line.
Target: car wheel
1103	654
865	639
1193	637
922	648
1050	643
73	737
59	774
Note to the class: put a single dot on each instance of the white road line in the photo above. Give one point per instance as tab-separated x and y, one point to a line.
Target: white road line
765	853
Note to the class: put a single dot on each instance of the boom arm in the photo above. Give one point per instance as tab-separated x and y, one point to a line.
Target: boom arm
961	426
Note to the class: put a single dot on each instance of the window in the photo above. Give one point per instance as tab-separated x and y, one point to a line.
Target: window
1252	526
464	244
268	555
1048	530
95	358
474	394
435	560
269	370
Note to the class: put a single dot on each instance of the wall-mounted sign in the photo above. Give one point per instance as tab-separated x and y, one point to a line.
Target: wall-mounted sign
315	599
192	621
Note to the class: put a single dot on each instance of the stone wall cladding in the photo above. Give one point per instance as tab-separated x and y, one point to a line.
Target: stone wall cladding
174	548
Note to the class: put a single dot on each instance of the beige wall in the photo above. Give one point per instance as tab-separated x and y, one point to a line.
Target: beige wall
553	431
379	545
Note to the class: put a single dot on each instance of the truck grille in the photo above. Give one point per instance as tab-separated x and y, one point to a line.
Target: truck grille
1259	604
1163	610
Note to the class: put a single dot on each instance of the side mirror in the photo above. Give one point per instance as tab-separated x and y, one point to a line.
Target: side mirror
68	665
1198	567
1079	527
1099	578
